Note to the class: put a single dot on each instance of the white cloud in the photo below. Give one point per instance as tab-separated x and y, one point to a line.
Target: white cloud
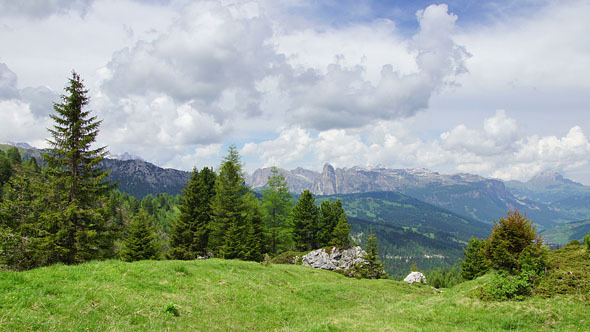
36	9
498	149
19	124
345	96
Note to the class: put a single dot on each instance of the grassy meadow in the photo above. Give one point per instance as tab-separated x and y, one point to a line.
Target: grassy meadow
227	295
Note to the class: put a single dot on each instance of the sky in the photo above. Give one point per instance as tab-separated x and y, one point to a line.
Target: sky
495	88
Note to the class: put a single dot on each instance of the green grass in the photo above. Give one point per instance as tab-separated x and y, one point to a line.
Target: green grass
219	295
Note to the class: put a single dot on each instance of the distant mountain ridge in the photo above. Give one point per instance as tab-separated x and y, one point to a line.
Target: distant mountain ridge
548	199
469	195
140	178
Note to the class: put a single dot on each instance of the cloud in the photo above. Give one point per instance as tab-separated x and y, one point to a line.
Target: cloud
343	96
8	88
19	124
213	56
39	9
499	149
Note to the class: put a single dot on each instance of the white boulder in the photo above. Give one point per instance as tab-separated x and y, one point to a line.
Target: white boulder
415	277
334	258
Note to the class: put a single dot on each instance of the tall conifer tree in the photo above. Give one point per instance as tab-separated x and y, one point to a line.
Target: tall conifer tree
80	229
229	209
305	221
141	240
189	236
277	205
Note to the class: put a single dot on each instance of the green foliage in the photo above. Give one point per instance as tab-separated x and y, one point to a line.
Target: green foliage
5	169
373	267
568	273
189	235
171	309
514	245
475	263
587	241
78	226
14	156
19	215
444	277
277	204
305	222
506	286
228	208
141	240
288	257
236	225
254	242
34	165
331	216
341	232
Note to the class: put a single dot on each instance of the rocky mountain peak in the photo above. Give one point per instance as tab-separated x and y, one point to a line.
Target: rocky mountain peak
546	179
326	184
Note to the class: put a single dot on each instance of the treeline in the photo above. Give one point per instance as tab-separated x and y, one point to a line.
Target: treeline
220	216
68	212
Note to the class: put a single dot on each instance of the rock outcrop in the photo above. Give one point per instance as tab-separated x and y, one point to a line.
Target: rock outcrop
415	277
334	258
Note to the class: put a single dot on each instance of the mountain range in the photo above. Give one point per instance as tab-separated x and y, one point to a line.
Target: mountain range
548	199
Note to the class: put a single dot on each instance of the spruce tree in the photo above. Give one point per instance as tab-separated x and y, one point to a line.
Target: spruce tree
253	249
277	204
330	214
5	170
81	228
373	267
514	245
304	222
189	236
475	263
341	232
33	165
141	240
14	156
229	209
19	222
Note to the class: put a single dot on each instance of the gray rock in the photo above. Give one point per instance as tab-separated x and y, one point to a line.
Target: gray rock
415	277
334	258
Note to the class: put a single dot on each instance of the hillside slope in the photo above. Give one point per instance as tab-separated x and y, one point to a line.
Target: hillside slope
218	295
409	231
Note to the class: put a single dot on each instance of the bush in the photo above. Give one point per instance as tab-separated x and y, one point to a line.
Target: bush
506	286
515	247
587	241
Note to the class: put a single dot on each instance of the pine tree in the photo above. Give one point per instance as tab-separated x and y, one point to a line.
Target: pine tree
305	221
80	226
475	263
5	170
190	231
19	218
514	245
373	267
141	241
341	232
14	156
229	209
33	165
253	249
330	214
277	204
